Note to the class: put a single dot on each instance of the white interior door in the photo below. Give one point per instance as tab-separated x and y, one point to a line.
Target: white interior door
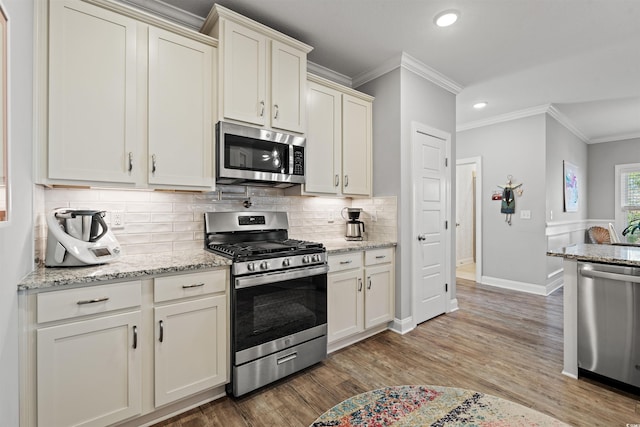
430	201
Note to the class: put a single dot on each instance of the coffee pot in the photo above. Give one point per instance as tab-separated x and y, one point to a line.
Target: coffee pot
354	228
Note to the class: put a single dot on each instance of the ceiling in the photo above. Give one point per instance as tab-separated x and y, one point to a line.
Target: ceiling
582	57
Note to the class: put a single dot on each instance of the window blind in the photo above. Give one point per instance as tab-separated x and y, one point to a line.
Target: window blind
630	190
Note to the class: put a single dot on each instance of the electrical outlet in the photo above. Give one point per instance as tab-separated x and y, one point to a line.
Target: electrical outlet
374	216
525	214
117	219
330	217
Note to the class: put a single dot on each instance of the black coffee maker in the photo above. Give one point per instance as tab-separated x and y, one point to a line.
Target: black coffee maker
354	228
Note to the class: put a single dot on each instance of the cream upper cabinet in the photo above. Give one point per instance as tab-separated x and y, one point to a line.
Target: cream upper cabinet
180	110
129	103
339	140
324	139
262	73
356	146
92	94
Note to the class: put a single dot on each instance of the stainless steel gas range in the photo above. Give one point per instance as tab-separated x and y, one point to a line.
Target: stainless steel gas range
278	296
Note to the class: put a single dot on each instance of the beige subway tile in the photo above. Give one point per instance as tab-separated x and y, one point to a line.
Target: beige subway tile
188	226
149	207
149	228
172	217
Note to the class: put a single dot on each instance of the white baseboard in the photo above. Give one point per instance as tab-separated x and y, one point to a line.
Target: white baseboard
453	305
529	288
402	326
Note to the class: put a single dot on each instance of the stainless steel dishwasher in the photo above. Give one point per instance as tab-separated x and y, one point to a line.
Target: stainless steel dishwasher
609	321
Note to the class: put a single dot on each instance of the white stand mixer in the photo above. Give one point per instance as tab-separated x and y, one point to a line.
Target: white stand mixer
79	238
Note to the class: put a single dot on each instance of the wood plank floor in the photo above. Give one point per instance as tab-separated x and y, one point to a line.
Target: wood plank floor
499	342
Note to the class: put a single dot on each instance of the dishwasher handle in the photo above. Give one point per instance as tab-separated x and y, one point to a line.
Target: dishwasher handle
606	275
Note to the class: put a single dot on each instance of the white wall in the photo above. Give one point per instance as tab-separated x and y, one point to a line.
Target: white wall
513	256
16	237
464	213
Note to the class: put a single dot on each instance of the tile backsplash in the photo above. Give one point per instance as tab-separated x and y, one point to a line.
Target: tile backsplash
162	221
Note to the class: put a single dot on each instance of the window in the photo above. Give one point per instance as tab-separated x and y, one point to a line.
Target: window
628	197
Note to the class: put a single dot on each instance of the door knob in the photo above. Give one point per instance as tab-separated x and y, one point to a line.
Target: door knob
421	237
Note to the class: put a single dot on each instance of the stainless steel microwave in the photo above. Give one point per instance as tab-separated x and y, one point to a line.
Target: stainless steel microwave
258	156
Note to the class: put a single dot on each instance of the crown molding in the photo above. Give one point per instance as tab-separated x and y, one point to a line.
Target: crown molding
527	112
167	11
329	74
409	63
564	121
615	138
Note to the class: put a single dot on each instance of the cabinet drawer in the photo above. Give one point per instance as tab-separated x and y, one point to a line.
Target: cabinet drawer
345	261
378	256
58	305
188	285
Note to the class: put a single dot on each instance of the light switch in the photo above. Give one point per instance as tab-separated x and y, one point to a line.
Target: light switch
525	214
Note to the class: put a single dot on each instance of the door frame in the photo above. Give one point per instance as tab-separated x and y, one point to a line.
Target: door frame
477	161
450	304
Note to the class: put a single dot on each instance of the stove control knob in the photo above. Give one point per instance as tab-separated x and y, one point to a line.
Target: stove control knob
251	266
264	265
286	262
305	259
315	258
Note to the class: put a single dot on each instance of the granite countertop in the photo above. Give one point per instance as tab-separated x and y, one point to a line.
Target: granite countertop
134	266
604	254
126	267
341	245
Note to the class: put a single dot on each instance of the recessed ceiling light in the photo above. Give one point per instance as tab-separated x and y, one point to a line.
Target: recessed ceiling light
446	18
480	105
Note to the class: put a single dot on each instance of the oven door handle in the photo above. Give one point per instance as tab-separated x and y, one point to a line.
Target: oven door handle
265	279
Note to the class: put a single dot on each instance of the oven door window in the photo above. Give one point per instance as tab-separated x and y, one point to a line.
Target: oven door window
267	312
255	155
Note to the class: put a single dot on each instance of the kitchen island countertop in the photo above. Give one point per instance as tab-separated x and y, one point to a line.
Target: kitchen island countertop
605	254
126	267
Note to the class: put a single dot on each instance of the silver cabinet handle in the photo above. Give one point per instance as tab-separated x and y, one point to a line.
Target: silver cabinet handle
130	168
261	108
346	262
153	163
380	256
195	285
161	337
359	285
369	282
346	180
135	337
93	301
275	108
337	180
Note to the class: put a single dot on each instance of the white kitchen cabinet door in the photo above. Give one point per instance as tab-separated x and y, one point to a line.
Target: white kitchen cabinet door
288	87
345	302
245	74
324	139
379	295
190	348
180	110
92	94
356	146
89	372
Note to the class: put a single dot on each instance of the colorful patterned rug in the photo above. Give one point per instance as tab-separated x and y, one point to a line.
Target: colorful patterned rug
411	406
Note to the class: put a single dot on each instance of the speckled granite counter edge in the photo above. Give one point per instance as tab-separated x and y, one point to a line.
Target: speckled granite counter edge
127	267
343	246
604	254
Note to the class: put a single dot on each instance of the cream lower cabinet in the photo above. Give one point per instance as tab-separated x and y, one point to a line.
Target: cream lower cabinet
339	140
127	353
128	104
360	292
190	336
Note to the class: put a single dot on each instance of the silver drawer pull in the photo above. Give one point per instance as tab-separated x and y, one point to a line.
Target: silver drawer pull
288	357
380	256
346	262
195	285
93	301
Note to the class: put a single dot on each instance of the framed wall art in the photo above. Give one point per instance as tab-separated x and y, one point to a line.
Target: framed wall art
571	196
